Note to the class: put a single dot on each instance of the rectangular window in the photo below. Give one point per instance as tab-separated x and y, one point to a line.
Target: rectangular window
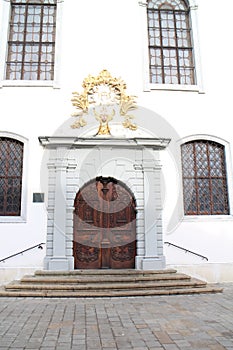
31	44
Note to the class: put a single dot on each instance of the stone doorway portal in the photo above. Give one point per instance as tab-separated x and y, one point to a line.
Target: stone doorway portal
72	166
104	226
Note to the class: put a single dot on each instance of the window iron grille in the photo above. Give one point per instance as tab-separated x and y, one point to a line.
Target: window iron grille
204	178
170	43
11	167
31	44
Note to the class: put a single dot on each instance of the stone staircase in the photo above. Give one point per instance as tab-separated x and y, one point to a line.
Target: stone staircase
105	283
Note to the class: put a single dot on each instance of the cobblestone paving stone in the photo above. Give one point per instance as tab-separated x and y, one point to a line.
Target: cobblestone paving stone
184	322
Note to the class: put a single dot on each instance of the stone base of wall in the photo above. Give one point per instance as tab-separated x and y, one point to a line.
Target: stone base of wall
209	272
9	274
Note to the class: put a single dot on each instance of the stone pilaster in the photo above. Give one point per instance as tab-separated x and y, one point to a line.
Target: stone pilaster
58	259
153	258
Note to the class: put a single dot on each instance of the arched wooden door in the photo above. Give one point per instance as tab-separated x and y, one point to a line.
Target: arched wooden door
104	226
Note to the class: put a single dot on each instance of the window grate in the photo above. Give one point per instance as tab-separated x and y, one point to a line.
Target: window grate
11	167
31	45
170	44
204	178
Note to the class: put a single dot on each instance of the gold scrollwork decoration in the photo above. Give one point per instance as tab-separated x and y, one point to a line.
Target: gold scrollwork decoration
103	90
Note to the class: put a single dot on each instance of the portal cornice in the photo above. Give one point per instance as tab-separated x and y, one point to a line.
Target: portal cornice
103	142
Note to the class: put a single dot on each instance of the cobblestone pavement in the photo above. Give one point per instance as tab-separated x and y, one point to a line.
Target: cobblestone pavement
160	322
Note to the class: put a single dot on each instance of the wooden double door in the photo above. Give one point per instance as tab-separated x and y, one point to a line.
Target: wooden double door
104	226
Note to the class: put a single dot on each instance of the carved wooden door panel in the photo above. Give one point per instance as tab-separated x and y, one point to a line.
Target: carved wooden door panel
104	226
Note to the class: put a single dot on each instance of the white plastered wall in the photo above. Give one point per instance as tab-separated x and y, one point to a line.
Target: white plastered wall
116	43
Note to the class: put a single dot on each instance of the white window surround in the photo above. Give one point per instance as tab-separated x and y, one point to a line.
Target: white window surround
22	218
4	29
147	86
229	172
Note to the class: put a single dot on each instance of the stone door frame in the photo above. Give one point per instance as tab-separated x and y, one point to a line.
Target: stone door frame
142	174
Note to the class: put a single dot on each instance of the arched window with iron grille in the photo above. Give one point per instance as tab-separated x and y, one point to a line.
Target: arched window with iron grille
205	189
11	169
170	42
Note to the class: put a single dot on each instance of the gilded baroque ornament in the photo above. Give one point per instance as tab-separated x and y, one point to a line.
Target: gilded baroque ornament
108	96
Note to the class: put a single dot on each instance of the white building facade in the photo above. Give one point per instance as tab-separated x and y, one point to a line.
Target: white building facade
150	118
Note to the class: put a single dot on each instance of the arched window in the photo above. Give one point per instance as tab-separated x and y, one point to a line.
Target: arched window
11	167
31	44
170	42
204	178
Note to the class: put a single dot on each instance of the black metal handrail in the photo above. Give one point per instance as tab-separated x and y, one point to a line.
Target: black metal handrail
187	250
39	246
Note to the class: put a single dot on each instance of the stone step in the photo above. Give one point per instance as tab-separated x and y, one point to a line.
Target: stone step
106	286
100	279
105	272
105	283
109	293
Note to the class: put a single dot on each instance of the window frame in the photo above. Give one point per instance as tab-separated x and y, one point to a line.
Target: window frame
147	85
5	15
23	214
26	35
229	179
170	44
